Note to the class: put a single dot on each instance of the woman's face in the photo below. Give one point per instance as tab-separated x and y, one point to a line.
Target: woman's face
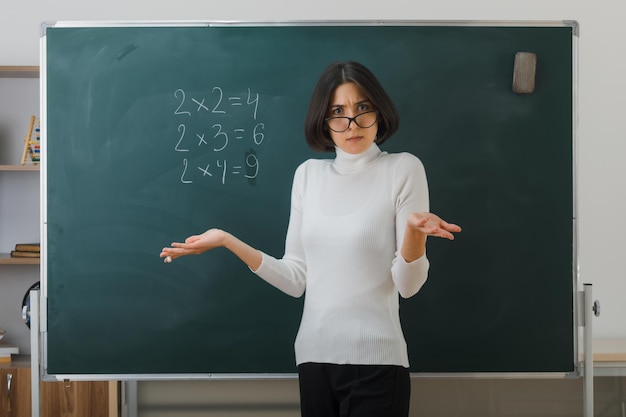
349	101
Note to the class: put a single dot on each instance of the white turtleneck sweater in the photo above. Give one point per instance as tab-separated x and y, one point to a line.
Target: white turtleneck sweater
347	222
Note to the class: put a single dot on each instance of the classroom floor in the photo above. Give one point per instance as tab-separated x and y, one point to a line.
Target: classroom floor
431	397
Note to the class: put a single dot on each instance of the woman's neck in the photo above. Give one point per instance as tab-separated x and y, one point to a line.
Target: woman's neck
346	163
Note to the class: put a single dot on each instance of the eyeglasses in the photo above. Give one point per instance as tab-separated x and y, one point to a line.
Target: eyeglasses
341	123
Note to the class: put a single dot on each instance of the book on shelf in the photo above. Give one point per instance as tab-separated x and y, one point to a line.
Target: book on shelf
6	351
28	247
26	250
24	254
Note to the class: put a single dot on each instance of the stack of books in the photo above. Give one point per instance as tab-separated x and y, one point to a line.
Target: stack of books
6	351
26	250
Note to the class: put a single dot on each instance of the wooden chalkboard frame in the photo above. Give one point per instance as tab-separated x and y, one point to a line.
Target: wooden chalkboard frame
49	259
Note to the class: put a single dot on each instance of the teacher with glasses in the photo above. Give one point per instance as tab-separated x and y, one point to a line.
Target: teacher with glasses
356	242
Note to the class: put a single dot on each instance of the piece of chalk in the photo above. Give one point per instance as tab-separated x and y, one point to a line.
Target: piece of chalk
168	259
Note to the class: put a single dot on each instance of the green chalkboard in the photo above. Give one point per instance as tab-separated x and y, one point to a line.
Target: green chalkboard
155	132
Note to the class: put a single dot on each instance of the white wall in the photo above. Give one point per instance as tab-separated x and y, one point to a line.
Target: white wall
602	88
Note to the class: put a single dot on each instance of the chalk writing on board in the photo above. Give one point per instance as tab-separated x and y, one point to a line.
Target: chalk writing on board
212	127
221	168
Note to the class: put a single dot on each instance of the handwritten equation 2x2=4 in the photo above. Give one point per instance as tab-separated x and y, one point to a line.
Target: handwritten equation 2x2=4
232	128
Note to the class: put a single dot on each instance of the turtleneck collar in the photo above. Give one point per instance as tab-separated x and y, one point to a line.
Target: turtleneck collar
346	163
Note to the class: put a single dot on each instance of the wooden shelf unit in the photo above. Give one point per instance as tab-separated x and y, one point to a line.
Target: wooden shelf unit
19	167
22	71
60	398
7	259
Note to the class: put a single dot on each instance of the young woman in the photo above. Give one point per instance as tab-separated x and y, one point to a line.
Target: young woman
356	241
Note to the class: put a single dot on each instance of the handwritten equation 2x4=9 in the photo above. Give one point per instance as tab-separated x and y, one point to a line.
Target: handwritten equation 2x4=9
195	135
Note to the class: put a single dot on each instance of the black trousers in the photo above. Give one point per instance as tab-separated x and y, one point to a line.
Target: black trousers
328	390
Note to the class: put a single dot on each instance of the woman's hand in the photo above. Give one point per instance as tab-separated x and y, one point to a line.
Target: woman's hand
195	245
418	226
432	225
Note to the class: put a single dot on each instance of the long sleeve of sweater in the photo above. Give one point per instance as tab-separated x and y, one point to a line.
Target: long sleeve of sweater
410	190
289	273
